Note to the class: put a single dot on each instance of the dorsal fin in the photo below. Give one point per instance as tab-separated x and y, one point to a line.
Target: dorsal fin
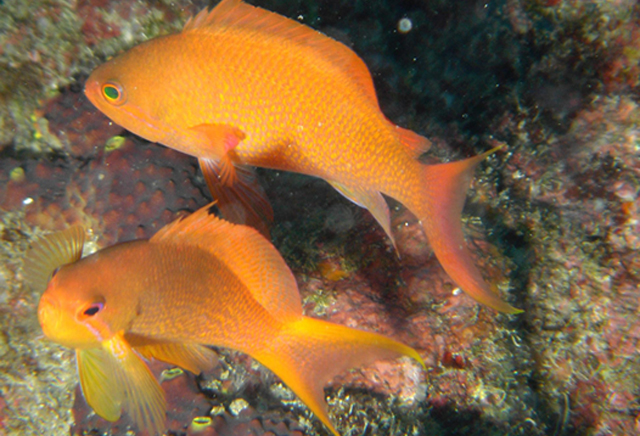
248	254
50	252
416	144
237	15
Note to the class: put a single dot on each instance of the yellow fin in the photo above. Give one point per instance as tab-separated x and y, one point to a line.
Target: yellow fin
50	252
245	252
192	357
115	377
144	398
309	352
237	15
98	383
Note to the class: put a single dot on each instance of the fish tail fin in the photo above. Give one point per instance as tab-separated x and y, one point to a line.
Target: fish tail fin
309	352
445	187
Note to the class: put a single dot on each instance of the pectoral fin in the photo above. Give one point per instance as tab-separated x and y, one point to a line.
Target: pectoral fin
223	139
114	377
145	401
373	201
98	382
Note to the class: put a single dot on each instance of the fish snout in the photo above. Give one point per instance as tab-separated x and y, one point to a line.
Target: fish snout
91	89
49	314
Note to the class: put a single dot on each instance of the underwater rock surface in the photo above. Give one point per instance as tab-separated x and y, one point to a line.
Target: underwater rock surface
554	219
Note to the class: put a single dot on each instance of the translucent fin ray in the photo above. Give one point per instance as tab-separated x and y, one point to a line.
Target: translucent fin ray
50	252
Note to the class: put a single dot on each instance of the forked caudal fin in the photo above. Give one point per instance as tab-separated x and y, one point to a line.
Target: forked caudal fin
309	352
445	187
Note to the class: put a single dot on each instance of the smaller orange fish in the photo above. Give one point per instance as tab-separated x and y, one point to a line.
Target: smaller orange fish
199	281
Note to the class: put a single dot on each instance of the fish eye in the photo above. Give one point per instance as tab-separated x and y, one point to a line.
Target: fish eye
91	309
113	93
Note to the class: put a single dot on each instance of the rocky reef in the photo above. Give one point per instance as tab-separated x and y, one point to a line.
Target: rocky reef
553	218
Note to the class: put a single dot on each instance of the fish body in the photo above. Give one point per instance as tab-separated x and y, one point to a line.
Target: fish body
308	123
241	86
148	312
199	281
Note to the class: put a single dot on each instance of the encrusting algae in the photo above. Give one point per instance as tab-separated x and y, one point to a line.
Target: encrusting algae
560	209
241	87
199	281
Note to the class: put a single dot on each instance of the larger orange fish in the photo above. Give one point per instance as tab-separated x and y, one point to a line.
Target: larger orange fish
199	281
242	85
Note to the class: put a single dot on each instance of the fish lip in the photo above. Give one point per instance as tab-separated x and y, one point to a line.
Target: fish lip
90	89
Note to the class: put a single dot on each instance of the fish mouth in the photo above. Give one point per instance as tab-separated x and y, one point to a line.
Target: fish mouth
91	88
49	314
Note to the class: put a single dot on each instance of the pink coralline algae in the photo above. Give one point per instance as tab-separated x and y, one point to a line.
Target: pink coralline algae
123	193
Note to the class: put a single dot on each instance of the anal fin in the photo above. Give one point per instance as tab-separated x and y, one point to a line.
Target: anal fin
373	201
192	357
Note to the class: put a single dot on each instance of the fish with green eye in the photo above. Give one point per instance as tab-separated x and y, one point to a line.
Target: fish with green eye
244	87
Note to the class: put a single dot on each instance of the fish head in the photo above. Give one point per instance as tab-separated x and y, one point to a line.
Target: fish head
74	312
126	89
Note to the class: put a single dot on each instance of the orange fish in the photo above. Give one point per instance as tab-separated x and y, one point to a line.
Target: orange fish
199	281
241	86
